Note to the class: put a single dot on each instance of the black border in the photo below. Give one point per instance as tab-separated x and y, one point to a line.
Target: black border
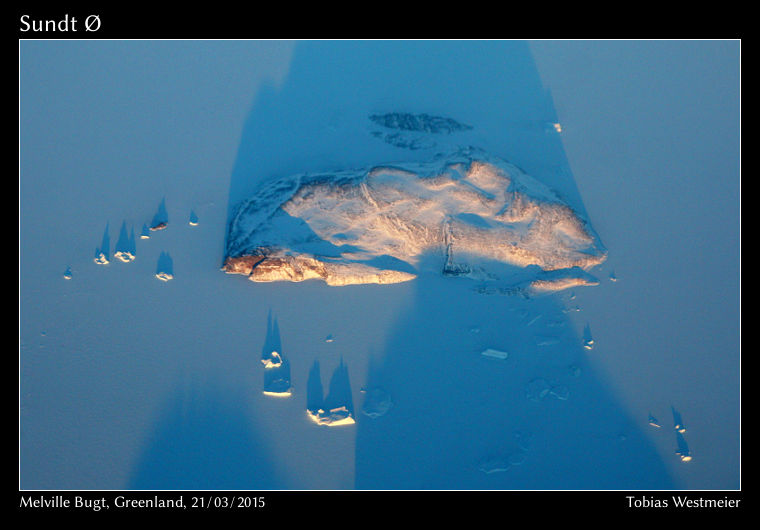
459	21
306	21
339	507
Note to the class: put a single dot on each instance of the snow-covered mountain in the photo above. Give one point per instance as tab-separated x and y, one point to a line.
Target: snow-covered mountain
474	212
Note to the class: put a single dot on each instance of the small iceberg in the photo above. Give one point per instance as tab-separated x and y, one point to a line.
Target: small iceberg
125	248
67	273
102	252
494	354
193	219
332	418
678	421
683	448
588	340
273	360
165	268
161	219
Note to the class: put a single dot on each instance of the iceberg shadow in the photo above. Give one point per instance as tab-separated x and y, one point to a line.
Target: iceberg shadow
165	266
276	365
339	390
462	420
103	252
314	391
161	218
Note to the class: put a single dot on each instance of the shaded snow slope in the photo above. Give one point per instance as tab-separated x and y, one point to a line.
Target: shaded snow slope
372	225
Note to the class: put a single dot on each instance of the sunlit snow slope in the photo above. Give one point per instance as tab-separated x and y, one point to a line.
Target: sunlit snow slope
372	225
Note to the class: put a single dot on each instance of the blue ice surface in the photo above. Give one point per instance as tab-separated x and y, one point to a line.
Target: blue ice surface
125	385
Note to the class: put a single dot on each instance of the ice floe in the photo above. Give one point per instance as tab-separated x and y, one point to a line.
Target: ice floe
377	402
537	389
494	354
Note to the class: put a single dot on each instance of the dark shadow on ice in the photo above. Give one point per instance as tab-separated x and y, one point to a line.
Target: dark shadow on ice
165	266
538	419
314	391
277	367
161	218
272	342
459	420
677	420
126	248
682	448
204	440
339	391
123	242
132	242
277	379
103	253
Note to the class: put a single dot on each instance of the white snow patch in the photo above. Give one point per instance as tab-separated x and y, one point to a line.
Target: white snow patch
494	354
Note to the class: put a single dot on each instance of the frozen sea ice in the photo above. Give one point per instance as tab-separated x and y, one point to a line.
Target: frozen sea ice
376	403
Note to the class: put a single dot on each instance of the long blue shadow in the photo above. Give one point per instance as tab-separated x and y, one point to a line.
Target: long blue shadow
455	423
541	419
204	441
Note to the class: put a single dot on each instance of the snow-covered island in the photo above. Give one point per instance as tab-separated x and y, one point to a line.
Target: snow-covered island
471	211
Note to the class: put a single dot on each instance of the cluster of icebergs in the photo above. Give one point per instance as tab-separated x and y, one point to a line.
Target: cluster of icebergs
125	249
682	448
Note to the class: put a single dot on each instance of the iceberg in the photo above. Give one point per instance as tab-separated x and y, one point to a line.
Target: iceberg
333	417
